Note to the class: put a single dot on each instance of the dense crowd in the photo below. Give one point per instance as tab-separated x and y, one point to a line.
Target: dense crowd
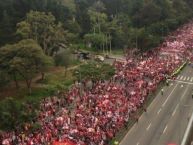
93	116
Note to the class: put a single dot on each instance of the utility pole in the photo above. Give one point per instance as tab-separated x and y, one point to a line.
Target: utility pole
136	41
110	43
80	82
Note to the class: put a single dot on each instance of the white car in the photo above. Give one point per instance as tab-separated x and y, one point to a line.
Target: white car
99	58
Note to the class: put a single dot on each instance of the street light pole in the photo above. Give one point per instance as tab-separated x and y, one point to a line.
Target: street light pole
136	41
80	82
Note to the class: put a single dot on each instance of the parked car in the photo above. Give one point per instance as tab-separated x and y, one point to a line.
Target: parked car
99	58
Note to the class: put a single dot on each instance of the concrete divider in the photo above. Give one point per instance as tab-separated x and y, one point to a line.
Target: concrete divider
177	71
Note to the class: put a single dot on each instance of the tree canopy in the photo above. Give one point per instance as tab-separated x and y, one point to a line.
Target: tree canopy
25	59
41	27
94	71
113	19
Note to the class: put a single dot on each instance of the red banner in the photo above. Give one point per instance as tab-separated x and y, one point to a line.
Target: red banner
63	143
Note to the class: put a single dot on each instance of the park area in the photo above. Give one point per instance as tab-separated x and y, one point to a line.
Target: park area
83	72
101	102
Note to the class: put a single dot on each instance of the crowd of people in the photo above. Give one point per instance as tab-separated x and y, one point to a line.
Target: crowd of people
93	116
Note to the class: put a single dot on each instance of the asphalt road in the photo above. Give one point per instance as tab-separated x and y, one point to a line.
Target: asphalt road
167	116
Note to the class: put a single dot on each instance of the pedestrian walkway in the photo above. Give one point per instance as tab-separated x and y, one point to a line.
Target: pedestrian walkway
184	78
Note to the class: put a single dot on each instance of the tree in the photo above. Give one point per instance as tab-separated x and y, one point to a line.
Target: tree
96	40
7	53
63	58
24	58
180	7
82	16
97	16
118	31
149	14
136	6
4	79
14	114
41	27
98	19
73	27
24	30
6	27
94	72
10	114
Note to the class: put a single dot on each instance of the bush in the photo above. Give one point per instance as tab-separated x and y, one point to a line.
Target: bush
35	127
94	71
14	114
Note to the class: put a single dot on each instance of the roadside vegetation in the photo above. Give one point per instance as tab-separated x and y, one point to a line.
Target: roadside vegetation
39	40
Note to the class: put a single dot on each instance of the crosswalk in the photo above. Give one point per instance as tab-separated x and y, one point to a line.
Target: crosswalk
184	78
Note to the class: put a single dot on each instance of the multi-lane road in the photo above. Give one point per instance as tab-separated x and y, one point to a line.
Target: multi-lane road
167	116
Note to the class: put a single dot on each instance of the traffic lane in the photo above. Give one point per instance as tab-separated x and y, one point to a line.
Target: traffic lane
186	71
183	113
172	125
189	70
134	135
136	132
159	121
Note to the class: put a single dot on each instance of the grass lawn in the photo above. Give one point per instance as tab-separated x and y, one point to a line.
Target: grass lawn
54	80
118	52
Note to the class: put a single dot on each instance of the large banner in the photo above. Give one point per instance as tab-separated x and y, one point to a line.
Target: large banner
63	143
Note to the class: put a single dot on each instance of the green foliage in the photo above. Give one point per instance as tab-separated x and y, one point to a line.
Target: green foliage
40	26
73	27
96	40
107	71
14	114
35	127
4	78
52	24
13	11
24	58
63	58
81	18
149	14
94	71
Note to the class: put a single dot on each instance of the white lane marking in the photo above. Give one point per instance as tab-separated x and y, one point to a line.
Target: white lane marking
175	110
169	95
181	77
182	86
138	143
178	77
184	78
191	79
159	111
188	78
148	127
171	84
184	93
183	82
165	129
